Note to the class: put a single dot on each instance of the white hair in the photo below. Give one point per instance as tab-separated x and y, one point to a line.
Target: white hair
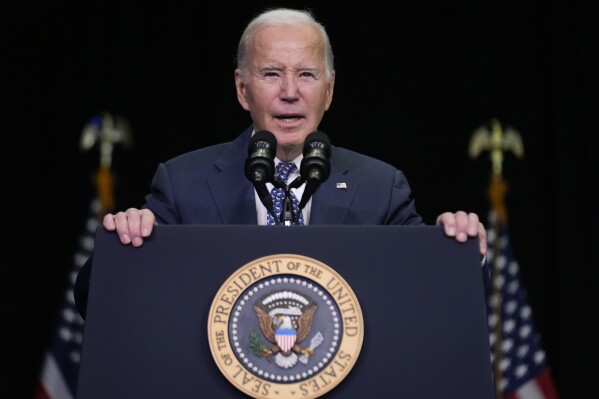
283	17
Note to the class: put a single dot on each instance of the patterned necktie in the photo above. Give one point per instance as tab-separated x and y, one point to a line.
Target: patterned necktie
284	169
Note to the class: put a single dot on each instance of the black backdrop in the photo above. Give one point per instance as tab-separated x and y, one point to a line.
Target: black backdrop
413	82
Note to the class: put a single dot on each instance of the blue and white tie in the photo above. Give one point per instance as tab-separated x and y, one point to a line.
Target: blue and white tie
284	169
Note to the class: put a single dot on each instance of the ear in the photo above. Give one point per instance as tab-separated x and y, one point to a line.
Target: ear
330	88
241	90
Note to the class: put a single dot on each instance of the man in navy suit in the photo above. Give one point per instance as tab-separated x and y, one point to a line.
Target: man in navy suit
285	78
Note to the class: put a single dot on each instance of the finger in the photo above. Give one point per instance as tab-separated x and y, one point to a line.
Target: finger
482	236
447	220
147	222
473	224
121	221
461	226
108	222
134	226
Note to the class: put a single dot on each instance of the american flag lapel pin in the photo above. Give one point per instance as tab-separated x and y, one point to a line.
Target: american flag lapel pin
342	185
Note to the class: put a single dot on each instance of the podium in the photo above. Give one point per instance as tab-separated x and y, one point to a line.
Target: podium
421	295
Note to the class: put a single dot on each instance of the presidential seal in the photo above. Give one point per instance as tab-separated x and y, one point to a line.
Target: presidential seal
285	326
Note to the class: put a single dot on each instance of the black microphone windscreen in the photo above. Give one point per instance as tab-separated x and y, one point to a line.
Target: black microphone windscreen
260	166
268	140
319	140
315	165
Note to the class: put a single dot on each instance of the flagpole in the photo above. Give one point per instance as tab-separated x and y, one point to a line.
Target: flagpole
494	139
496	192
107	131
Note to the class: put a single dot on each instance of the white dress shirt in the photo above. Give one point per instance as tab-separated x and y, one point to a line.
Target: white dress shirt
261	209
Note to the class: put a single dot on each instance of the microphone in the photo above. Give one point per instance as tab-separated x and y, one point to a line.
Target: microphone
260	164
315	167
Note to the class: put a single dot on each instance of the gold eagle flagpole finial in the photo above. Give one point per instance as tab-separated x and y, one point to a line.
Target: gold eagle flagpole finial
497	141
106	131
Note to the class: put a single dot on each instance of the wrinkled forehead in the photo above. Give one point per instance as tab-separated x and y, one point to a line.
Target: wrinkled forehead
287	39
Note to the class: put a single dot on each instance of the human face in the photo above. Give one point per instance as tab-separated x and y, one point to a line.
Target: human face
287	92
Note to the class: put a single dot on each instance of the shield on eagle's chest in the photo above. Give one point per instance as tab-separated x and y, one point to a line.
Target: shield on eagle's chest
285	339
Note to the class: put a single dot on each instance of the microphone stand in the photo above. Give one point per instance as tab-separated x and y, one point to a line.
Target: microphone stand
278	183
288	216
294	184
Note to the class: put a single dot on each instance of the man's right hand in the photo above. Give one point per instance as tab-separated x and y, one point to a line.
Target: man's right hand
132	225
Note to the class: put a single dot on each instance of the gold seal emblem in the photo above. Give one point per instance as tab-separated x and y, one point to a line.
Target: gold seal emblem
285	326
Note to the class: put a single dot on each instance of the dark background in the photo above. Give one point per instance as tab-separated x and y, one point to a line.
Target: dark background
413	82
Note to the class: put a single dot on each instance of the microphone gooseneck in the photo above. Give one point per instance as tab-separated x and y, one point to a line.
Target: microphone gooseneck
316	166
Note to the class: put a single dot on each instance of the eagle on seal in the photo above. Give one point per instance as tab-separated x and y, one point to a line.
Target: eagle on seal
284	336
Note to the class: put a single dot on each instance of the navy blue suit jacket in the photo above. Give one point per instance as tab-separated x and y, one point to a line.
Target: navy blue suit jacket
209	186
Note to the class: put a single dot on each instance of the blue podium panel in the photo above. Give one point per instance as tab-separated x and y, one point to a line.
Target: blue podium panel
420	292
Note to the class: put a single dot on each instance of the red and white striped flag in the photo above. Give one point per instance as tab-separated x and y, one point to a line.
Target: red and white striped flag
521	367
60	369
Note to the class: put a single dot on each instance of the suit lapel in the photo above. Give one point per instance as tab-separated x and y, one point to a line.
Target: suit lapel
233	194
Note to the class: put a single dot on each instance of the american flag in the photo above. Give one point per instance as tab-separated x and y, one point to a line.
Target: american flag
520	365
60	369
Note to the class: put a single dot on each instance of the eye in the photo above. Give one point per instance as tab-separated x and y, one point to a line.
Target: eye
270	74
307	74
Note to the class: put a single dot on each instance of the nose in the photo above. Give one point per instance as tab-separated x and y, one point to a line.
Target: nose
289	87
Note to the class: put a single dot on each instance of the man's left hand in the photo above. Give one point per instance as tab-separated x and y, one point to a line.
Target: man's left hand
462	226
